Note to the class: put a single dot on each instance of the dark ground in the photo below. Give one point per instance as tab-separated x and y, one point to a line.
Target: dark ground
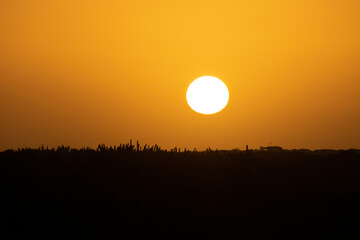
110	194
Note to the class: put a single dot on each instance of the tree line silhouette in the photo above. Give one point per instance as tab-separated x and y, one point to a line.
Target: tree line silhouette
113	191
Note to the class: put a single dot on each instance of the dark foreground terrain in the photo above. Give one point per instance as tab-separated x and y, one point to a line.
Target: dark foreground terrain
114	193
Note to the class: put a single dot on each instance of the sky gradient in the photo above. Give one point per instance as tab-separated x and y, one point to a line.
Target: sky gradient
81	73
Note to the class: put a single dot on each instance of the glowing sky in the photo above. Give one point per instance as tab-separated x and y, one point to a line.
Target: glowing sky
81	73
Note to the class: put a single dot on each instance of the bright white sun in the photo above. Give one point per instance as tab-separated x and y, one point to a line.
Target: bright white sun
207	95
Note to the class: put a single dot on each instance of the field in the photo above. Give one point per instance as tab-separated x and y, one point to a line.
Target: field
112	192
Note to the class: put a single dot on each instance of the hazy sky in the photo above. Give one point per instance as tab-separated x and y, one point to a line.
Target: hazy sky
81	73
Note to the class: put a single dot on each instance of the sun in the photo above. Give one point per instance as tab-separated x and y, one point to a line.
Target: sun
207	95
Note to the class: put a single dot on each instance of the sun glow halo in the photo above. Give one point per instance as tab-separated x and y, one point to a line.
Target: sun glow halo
207	95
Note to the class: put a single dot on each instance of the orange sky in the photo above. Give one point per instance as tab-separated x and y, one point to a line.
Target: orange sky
81	73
